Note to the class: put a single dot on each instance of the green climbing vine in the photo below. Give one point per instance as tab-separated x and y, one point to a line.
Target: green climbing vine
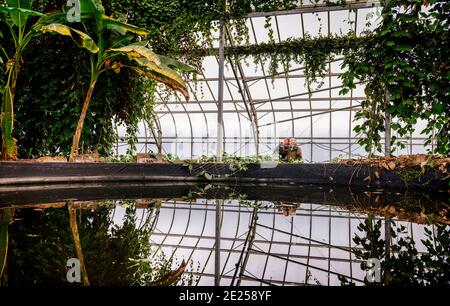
404	67
402	63
313	53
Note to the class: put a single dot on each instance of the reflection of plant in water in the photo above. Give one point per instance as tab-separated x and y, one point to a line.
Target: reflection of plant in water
405	265
287	208
310	277
243	201
241	198
115	254
76	239
6	217
160	271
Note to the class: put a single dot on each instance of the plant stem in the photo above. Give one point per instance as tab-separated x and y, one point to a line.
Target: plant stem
77	135
9	149
76	239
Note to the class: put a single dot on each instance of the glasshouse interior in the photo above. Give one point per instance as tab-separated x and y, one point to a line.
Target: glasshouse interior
224	142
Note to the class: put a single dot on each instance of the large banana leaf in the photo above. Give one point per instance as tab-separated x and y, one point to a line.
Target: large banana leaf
175	64
53	17
19	15
162	74
117	40
138	51
80	38
26	4
114	24
92	7
20	10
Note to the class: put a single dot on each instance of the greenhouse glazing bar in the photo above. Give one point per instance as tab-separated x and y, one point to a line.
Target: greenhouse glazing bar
313	8
220	126
250	108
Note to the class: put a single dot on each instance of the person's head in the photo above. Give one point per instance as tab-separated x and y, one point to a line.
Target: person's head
292	141
286	141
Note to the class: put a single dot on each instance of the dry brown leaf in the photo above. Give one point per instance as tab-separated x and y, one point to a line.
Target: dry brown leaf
443	168
443	213
419	159
391	165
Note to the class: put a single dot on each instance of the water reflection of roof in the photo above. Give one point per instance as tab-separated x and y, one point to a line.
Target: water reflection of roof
260	246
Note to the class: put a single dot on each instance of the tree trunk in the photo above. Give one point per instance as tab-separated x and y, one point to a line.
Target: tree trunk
77	136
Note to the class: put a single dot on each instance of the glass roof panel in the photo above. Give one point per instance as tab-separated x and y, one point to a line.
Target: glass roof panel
280	107
289	26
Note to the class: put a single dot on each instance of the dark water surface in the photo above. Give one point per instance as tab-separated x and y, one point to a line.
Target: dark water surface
163	234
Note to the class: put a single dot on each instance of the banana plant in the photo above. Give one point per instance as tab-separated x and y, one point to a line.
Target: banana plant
18	16
114	40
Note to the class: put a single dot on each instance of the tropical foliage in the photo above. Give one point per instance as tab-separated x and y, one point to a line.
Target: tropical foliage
116	251
401	263
389	60
404	65
113	39
110	34
16	16
51	86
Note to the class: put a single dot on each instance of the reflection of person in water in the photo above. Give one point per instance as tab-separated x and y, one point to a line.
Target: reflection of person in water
287	208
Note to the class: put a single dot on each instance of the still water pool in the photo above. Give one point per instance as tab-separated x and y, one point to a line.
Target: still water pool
164	234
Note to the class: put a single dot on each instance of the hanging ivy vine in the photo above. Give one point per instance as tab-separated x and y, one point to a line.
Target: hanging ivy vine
403	63
313	53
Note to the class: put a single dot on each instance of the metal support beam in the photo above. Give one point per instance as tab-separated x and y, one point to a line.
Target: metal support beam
313	8
387	252
217	272
245	253
314	114
245	94
301	94
220	94
387	135
346	99
263	111
387	129
155	127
